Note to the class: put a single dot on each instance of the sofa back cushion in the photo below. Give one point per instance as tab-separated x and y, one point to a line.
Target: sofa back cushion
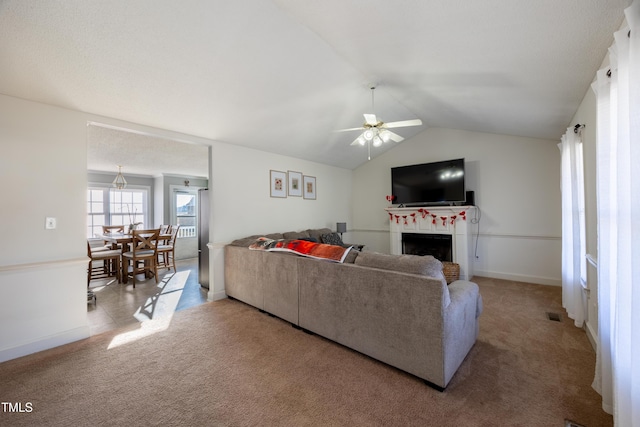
245	241
414	264
291	235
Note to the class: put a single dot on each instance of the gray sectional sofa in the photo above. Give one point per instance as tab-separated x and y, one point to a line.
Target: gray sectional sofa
397	309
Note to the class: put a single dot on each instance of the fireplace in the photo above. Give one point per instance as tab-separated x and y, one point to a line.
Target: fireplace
442	231
437	245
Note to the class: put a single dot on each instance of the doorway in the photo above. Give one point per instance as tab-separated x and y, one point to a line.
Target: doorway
172	171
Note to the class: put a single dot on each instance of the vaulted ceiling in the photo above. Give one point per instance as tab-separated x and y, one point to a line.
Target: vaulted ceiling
283	75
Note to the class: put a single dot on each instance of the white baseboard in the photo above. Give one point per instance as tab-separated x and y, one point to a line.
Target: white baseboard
215	296
46	343
518	277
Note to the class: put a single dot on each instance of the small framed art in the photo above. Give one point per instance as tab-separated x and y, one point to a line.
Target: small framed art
278	183
295	183
309	187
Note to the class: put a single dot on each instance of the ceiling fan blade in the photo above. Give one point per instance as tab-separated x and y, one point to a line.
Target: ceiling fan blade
403	123
395	137
349	130
370	119
358	141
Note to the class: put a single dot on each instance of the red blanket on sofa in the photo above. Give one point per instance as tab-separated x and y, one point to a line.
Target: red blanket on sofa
302	247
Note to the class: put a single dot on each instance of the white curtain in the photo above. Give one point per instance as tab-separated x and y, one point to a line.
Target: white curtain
618	209
572	184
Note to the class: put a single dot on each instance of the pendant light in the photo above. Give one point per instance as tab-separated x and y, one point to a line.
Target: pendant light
119	183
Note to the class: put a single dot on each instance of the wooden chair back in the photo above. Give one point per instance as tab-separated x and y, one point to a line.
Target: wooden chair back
173	230
113	229
145	240
166	251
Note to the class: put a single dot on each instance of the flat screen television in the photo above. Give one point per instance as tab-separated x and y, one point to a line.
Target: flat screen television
437	183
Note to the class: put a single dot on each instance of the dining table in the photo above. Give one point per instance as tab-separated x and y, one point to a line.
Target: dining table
124	240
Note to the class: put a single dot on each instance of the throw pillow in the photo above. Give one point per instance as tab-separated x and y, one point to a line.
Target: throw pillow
332	239
318	232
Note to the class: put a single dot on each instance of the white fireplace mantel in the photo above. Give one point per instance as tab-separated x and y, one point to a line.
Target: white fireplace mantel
451	220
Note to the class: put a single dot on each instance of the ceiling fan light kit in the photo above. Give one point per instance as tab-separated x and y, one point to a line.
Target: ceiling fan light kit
376	131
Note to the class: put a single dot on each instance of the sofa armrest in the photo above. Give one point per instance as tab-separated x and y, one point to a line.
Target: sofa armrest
463	287
243	275
461	324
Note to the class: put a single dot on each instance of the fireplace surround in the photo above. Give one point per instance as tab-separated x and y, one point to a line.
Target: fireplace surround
440	246
441	223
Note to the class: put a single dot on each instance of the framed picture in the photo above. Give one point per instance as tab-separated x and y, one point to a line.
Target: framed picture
295	183
278	183
309	187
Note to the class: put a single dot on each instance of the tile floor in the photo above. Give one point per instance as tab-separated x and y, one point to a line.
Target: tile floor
120	305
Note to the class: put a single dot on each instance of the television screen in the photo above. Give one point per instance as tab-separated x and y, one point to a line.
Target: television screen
429	183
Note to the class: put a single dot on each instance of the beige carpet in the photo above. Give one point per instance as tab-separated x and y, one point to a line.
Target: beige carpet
225	363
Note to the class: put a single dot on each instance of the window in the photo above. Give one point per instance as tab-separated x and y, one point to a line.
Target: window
95	211
109	206
185	204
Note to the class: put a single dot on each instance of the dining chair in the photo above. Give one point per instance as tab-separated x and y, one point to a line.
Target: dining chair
109	267
143	256
167	250
112	229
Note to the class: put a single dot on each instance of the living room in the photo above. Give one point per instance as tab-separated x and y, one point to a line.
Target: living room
44	163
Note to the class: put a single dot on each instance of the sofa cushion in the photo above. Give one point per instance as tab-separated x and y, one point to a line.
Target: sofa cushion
414	264
332	239
292	235
351	257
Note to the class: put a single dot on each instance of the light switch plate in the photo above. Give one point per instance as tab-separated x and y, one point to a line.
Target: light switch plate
50	223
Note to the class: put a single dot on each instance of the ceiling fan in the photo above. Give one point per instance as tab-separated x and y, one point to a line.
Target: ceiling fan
376	131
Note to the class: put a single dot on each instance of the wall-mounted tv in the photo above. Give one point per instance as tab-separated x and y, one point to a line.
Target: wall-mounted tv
429	183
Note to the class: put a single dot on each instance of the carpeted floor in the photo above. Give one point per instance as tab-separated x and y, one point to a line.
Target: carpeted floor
225	363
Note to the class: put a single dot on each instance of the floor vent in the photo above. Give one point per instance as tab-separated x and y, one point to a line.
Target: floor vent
556	318
569	423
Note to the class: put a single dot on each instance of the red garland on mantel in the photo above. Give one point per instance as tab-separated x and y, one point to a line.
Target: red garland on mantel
424	213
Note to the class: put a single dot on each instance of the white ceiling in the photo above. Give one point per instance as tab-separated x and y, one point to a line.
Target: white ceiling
143	154
282	75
